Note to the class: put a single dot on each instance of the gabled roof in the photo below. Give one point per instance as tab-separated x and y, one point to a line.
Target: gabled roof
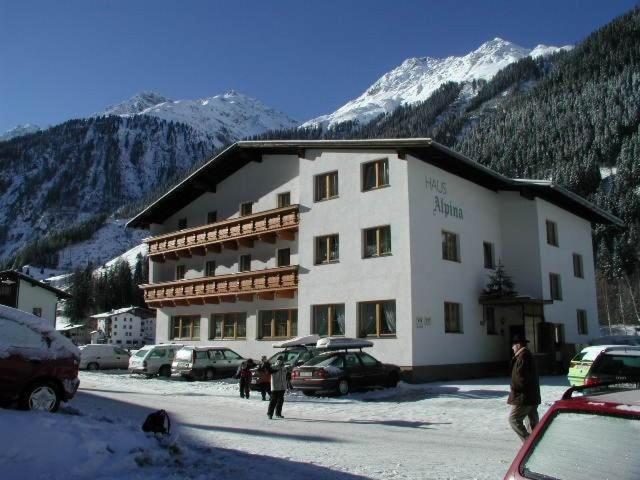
138	311
15	275
241	153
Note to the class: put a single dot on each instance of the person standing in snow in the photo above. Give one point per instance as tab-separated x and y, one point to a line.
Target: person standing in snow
244	374
524	396
264	367
278	387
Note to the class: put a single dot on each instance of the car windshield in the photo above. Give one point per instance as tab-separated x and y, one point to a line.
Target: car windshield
586	446
141	353
184	354
626	365
322	361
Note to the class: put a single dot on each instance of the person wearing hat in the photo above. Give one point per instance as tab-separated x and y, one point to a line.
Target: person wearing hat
524	396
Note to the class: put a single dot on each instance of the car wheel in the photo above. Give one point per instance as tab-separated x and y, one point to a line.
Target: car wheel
93	366
393	380
165	371
42	396
209	374
343	386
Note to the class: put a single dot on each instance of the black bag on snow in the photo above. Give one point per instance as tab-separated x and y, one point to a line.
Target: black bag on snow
157	422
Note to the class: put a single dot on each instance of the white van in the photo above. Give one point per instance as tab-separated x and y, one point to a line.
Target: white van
154	359
99	356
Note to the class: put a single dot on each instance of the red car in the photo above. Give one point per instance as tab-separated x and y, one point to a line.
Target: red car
38	365
593	436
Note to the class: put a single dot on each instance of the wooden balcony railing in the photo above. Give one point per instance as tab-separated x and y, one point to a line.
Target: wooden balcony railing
266	284
266	226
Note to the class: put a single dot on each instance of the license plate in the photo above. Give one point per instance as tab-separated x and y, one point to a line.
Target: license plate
305	374
254	380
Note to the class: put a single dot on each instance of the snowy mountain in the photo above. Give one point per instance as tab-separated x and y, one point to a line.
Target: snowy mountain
229	116
19	130
417	78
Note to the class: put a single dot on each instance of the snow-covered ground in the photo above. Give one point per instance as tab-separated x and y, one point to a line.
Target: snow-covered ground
445	430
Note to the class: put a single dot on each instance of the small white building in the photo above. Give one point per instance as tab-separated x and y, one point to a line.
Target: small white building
129	327
393	240
25	293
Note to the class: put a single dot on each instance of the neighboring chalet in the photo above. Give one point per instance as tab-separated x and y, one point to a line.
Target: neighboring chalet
25	293
129	327
393	240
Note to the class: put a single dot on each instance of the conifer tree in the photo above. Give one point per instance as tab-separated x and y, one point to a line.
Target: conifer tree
500	284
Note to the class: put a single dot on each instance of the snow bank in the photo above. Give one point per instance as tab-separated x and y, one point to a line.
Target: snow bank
60	347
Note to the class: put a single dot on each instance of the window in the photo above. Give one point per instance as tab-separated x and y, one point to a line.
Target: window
490	317
277	323
325	186
185	328
377	242
558	333
583	329
212	217
228	326
377	319
555	286
450	246
182	223
245	263
552	233
210	268
284	199
452	320
577	266
246	208
375	175
180	272
327	249
37	311
284	257
488	255
367	360
328	320
231	355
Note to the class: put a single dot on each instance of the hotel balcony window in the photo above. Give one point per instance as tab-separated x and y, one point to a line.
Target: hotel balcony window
185	328
212	217
327	249
244	263
328	320
246	208
325	186
377	319
555	286
450	246
577	266
377	242
210	269
583	329
228	326
180	272
552	233
375	175
284	257
182	223
452	318
489	261
284	199
277	323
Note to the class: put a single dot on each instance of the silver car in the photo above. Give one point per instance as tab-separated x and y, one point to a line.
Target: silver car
205	363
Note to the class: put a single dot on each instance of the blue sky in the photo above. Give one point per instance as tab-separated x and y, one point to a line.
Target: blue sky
66	59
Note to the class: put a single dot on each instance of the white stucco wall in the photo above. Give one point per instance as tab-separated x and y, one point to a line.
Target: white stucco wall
31	296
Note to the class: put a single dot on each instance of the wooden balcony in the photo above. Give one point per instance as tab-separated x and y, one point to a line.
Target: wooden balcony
266	284
265	226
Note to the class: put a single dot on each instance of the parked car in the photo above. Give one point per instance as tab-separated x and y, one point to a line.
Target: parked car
581	437
616	340
38	365
296	352
103	357
154	360
205	363
341	370
603	362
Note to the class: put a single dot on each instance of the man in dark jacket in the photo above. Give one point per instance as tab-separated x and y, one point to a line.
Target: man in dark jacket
524	396
278	386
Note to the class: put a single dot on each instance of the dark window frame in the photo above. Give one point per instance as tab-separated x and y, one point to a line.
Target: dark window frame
446	235
552	233
244	206
292	323
450	308
181	271
555	287
378	319
182	319
236	319
490	260
243	266
279	260
378	244
331	319
583	324
283	199
578	266
378	172
329	240
322	186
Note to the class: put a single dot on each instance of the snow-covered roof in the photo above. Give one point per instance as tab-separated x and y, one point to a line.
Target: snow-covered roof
60	347
339	343
297	341
139	311
15	275
64	328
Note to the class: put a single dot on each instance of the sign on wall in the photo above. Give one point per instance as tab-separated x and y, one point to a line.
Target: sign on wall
442	205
